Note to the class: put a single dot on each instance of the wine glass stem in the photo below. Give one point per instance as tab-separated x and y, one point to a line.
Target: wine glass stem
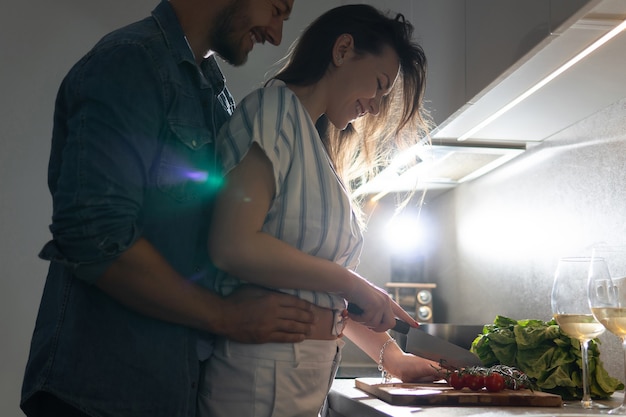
622	408
624	347
586	401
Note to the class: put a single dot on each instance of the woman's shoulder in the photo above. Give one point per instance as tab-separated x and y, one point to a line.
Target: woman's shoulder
274	94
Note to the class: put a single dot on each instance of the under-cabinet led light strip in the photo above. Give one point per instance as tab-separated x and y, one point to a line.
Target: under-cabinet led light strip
601	41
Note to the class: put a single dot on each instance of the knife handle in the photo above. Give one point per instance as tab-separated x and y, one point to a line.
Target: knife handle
400	327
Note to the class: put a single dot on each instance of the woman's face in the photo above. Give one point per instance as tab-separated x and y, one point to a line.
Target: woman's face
358	85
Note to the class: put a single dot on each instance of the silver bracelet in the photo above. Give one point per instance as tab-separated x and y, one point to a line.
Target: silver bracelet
385	375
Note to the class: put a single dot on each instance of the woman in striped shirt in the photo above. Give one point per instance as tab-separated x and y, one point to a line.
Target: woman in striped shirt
352	86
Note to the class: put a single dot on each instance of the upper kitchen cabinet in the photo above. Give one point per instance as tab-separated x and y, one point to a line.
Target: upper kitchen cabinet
471	44
499	33
532	70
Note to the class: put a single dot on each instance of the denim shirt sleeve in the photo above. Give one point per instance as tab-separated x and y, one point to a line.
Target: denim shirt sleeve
104	141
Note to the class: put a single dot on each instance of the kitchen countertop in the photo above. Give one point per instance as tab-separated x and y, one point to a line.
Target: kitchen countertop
345	400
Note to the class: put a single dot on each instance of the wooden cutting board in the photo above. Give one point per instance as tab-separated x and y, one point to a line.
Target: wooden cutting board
399	393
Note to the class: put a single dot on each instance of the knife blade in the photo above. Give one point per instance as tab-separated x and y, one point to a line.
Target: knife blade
449	355
420	343
400	326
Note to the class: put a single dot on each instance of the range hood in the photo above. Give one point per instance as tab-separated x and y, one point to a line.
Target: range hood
504	119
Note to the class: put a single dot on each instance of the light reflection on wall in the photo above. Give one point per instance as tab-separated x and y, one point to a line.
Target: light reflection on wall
507	235
510	229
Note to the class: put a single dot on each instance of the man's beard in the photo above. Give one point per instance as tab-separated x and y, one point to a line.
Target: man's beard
226	37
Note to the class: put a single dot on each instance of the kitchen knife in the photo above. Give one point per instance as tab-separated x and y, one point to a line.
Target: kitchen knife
400	327
449	355
420	343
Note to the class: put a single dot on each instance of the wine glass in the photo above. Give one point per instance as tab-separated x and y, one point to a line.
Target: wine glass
571	310
607	297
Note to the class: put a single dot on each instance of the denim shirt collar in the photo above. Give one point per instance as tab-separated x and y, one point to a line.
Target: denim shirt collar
175	38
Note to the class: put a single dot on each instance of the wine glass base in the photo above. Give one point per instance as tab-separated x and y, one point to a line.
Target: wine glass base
592	405
619	410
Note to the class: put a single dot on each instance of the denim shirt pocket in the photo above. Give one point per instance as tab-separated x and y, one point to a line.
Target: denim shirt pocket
187	168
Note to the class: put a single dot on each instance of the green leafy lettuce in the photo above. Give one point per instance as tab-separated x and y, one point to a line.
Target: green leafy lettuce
546	354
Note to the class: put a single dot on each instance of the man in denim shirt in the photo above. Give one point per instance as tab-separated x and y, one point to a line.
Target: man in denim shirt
132	172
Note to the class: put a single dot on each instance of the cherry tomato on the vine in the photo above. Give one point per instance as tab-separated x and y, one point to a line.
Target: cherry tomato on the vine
475	382
495	378
455	379
494	382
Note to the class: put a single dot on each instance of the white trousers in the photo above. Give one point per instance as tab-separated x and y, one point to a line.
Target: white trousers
271	379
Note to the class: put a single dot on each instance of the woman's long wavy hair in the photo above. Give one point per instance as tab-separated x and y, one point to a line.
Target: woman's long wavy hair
367	145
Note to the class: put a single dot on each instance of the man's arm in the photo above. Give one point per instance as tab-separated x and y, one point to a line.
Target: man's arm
143	281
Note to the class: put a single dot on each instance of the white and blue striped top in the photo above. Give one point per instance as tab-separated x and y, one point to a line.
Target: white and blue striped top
311	209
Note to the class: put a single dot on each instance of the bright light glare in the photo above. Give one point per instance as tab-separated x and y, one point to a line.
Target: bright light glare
404	233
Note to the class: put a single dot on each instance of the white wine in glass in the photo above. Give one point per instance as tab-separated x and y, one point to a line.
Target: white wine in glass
613	318
580	326
571	311
607	298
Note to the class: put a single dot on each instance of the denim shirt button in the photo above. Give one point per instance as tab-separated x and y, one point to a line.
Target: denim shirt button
194	143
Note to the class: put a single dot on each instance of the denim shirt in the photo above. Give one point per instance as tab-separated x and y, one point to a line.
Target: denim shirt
132	156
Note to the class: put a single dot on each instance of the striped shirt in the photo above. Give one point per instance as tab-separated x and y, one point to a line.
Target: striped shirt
310	209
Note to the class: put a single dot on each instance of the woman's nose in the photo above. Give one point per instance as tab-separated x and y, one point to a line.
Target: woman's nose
374	106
